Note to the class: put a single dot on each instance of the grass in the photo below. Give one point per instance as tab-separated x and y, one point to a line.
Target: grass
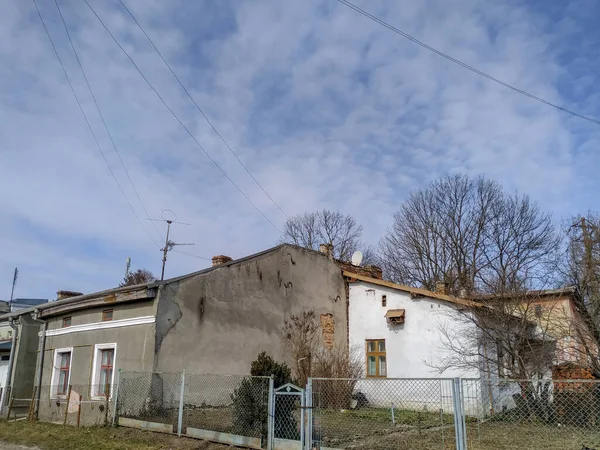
372	429
47	436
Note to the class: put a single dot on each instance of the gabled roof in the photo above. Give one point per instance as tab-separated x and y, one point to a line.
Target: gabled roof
412	290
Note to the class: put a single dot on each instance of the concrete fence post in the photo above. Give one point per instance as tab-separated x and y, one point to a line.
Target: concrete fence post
308	435
181	402
458	414
116	404
271	415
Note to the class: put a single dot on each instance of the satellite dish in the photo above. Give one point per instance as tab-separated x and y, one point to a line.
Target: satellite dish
357	258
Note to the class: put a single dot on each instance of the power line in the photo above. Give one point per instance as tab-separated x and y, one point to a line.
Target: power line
88	123
463	64
200	109
179	120
102	116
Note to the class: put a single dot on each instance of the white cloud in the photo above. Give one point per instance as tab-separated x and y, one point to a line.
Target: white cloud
326	108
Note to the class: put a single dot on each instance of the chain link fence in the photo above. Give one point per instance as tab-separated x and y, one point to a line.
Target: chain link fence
150	397
231	404
383	413
375	413
532	414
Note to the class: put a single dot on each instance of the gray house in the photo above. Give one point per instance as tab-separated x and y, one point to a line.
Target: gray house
212	321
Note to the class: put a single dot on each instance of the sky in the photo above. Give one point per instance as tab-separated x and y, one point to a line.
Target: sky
326	109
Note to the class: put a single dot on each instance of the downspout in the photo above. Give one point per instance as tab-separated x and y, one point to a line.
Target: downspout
40	359
11	359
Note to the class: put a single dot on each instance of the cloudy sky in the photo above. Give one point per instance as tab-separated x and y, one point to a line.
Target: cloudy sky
326	108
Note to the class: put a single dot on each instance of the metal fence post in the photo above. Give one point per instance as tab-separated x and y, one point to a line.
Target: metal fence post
308	434
115	407
271	414
181	401
458	414
462	413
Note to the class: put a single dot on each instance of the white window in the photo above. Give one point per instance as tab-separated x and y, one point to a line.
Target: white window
61	372
103	373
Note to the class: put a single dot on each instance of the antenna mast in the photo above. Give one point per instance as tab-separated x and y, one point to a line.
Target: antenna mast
168	243
12	292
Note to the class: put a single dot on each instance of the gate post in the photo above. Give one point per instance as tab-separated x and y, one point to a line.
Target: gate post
181	403
271	414
308	433
457	401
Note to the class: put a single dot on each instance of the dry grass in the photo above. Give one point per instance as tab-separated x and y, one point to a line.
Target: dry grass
371	429
57	437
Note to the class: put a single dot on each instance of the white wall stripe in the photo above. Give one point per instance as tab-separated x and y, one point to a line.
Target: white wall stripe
102	325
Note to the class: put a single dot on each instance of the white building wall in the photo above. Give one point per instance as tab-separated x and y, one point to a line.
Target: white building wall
414	349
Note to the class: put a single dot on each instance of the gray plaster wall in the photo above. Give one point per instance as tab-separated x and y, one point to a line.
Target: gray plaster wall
135	343
26	353
217	322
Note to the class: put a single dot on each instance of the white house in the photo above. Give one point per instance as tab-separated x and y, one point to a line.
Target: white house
399	330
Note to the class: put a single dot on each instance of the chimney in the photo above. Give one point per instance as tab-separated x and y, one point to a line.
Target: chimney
463	293
220	259
441	287
327	249
61	295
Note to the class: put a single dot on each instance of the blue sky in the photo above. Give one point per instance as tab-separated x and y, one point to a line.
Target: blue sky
326	108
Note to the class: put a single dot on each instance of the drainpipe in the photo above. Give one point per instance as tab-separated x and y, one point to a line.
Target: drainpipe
11	359
40	361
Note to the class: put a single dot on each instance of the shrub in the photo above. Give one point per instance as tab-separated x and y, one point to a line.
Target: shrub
250	400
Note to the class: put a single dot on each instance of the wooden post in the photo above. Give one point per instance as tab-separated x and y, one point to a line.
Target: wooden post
67	408
79	411
31	412
10	405
107	393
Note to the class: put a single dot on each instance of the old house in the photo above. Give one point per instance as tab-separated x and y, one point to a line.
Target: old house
212	321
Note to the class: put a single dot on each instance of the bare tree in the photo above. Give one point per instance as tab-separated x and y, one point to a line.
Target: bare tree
139	276
582	270
325	227
470	234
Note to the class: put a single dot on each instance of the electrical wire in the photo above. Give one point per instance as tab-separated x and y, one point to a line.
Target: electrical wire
102	116
465	65
190	254
200	109
88	123
180	122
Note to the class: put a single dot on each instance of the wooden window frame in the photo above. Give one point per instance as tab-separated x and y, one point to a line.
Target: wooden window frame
58	391
106	367
66	322
107	311
95	393
377	354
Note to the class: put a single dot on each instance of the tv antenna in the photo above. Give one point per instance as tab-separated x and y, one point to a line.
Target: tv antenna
169	245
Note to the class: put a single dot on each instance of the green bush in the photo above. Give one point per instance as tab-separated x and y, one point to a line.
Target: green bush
250	400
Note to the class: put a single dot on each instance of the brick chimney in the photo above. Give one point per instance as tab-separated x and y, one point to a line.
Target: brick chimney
220	259
327	249
441	287
61	295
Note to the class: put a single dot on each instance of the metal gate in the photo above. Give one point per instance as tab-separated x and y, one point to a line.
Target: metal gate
287	418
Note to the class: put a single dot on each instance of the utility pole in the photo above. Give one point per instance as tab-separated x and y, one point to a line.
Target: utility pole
168	243
127	267
12	292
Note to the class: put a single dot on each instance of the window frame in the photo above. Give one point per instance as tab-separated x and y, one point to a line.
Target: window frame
97	370
105	311
64	321
57	369
384	300
377	354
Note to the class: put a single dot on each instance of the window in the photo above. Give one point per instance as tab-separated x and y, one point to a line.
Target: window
103	370
538	311
66	322
106	370
376	360
61	371
107	314
5	358
384	300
